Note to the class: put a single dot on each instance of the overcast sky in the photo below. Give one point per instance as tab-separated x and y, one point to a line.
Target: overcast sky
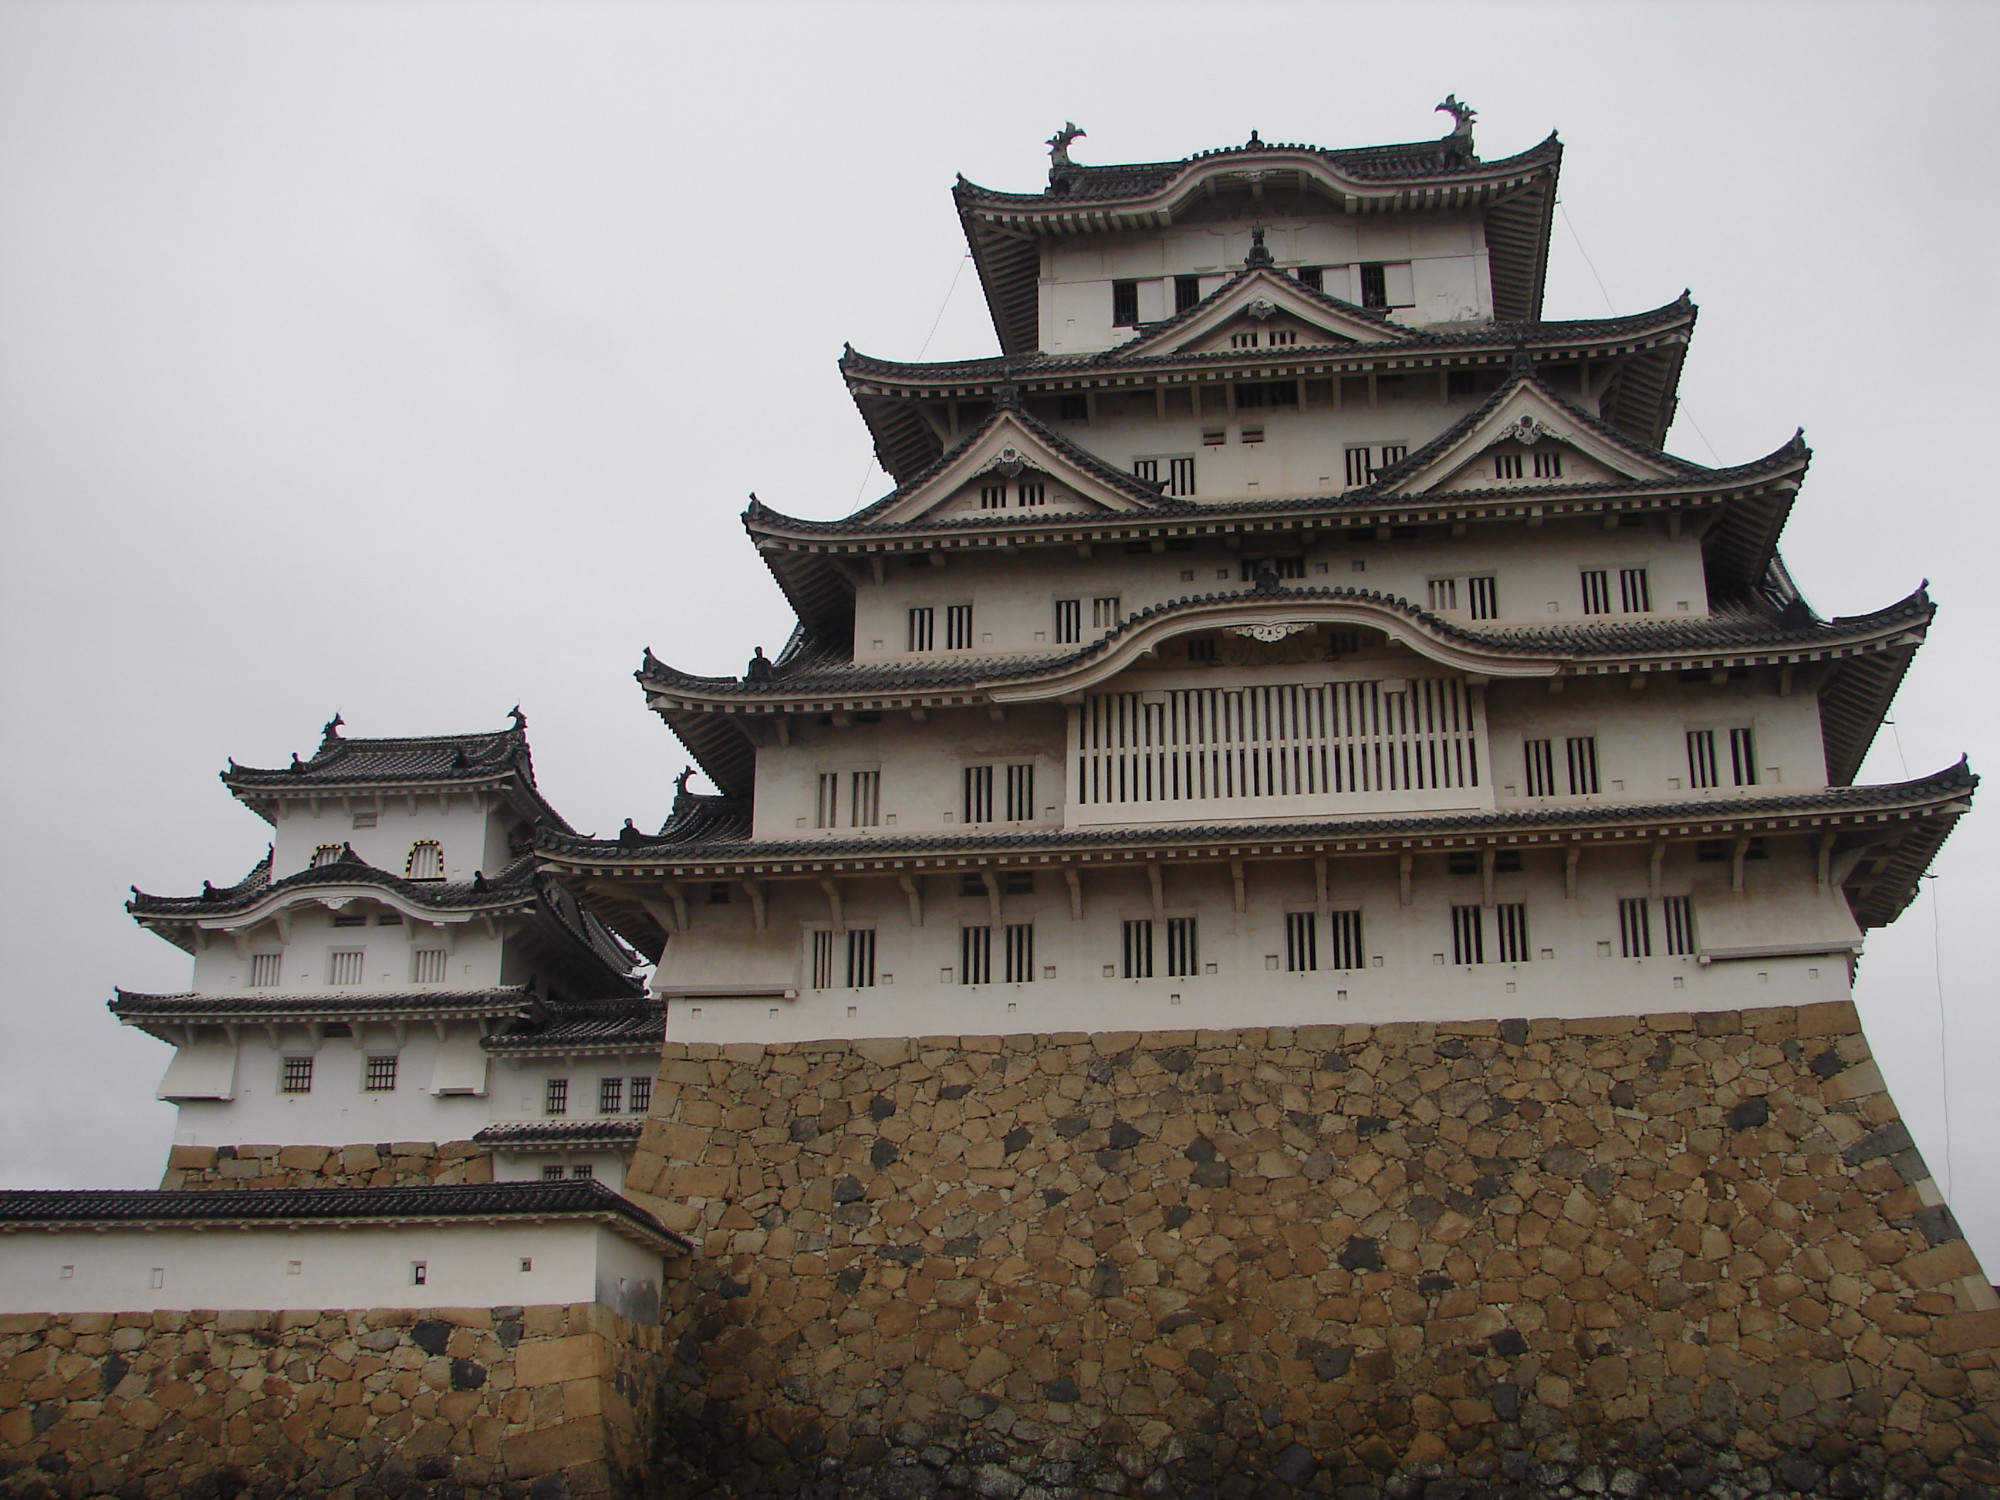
412	361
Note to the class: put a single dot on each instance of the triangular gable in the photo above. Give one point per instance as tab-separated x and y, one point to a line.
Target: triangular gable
1523	419
1259	301
1009	450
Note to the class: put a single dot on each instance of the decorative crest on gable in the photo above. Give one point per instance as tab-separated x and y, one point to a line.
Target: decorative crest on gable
1008	463
1262	308
1269	633
1526	431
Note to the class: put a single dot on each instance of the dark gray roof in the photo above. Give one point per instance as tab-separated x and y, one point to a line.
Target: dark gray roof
561	1133
342	764
132	1005
636	1024
538	1200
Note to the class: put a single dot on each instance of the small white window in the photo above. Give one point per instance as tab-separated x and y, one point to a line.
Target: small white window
1104	613
822	959
1069	621
860	958
958	627
326	854
1444	593
264	969
1482	598
420	1273
427	966
611	1095
1548	463
923	629
297	1076
1281	337
1506	466
345	966
864	807
555	1097
993	497
426	861
826	802
381	1075
1245	340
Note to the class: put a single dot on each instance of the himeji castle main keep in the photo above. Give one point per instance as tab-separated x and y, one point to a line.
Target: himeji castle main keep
1285	921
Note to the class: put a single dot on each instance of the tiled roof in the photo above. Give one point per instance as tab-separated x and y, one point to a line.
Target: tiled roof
495	1200
1737	626
131	1005
348	764
560	1133
636	1023
513	884
1953	782
1412	161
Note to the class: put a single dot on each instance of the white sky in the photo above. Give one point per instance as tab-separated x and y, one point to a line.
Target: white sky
414	360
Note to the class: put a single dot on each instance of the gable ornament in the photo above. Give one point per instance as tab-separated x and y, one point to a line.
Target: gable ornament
1261	309
1269	634
1010	462
1526	431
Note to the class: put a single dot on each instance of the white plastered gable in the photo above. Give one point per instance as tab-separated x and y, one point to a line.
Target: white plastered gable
1527	421
1007	453
1261	303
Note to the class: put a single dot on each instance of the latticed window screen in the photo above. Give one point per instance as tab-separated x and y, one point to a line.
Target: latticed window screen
1147	469
1020	792
555	1096
975	955
1020	957
1180	476
861	958
1124	304
611	1096
1031	492
264	968
1069	621
641	1095
1468	935
1301	941
1596	591
1548	463
345	966
296	1076
552	1172
1183	947
1539	770
1582	753
1138	949
426	861
864	807
427	966
1482	597
1277	740
1511	924
1506	466
380	1077
923	629
1635	594
1701	757
958	627
978	794
1344	946
1635	928
582	1172
1743	757
822	959
1187	292
826	801
1443	593
993	497
1677	914
1104	612
326	854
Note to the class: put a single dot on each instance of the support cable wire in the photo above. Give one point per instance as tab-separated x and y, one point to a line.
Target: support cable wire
1613	308
924	349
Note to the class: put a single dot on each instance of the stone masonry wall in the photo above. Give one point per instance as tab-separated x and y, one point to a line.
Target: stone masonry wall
1691	1254
390	1164
546	1402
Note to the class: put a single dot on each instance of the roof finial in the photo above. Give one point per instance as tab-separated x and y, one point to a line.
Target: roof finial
520	719
1059	148
331	729
1258	256
1462	117
1255	143
759	668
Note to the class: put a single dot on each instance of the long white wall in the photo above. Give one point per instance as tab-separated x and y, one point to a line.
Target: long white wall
274	1266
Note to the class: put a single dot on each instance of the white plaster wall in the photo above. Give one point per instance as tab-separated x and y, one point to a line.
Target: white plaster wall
471	828
519	1085
475	956
1446	252
467	1265
1575	971
607	1167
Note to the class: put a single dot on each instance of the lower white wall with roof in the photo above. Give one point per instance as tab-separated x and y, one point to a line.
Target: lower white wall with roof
94	1267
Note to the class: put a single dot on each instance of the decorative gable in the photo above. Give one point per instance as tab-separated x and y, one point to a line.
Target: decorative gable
1265	309
1014	466
1528	437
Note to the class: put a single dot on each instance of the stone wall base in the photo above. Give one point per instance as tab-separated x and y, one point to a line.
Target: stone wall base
1670	1255
506	1401
389	1164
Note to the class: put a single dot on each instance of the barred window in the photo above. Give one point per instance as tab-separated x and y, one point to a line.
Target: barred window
552	1172
1283	567
923	629
1069	621
1031	492
264	969
1635	594
426	861
975	955
427	965
1677	913
345	966
1540	768
1124	304
1104	612
297	1077
958	627
1482	597
1596	591
1701	758
1468	935
1021	792
1183	948
826	802
1138	949
978	794
1312	276
1147	469
1511	920
1582	751
1282	337
1444	593
864	807
1245	340
582	1172
555	1096
1301	941
1506	466
640	1096
1187	292
1635	928
861	958
380	1077
1020	952
610	1096
1180	476
326	854
993	497
1548	463
1345	932
822	959
1743	757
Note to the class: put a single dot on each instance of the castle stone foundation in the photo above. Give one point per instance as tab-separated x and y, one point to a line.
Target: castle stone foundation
1671	1254
387	1164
